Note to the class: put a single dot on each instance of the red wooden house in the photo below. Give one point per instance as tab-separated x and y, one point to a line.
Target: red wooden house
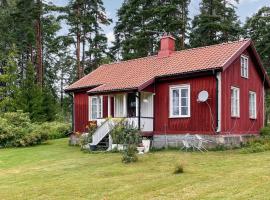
159	93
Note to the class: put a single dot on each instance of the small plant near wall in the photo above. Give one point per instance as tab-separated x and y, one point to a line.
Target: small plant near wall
258	144
118	136
86	138
179	168
130	154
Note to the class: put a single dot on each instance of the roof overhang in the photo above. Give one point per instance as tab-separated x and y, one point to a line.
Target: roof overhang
79	89
113	91
192	74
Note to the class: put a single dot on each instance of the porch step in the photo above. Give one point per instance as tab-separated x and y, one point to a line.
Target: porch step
103	145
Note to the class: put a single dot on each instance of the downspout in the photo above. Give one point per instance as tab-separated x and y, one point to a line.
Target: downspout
218	101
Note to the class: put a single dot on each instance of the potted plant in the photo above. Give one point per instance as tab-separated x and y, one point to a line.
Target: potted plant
140	148
146	143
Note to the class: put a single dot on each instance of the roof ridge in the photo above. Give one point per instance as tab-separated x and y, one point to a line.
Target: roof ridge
124	61
147	57
212	45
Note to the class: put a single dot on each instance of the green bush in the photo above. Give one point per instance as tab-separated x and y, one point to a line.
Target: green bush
16	130
118	133
128	135
179	168
55	130
257	145
125	133
85	139
130	154
265	131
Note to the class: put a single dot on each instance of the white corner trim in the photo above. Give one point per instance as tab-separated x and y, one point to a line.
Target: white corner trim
219	102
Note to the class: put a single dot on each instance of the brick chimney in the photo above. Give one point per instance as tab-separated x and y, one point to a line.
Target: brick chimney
167	45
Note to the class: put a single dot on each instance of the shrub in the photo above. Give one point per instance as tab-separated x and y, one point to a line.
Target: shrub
16	130
265	131
179	168
128	135
257	145
118	133
125	133
86	138
55	130
130	154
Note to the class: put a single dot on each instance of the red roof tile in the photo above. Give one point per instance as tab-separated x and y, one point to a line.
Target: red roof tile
132	74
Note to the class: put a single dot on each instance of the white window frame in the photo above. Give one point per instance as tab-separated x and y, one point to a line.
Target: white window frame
99	108
244	66
252	111
235	102
179	87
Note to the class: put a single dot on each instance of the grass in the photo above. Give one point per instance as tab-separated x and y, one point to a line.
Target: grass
57	171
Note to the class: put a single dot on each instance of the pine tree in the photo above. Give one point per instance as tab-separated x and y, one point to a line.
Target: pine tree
94	36
30	96
8	79
216	23
49	105
85	18
141	23
38	37
257	28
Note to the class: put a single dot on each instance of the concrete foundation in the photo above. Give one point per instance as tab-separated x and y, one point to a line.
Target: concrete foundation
176	141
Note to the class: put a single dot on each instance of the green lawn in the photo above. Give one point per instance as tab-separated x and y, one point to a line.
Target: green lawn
57	171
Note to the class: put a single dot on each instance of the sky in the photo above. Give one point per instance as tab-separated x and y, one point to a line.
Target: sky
245	8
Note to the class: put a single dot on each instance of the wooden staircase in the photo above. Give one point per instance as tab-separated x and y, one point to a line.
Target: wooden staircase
100	139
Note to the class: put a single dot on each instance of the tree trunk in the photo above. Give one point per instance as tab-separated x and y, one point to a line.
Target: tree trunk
62	89
182	38
78	46
83	54
39	66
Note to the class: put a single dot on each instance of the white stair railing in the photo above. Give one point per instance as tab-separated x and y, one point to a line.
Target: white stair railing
102	131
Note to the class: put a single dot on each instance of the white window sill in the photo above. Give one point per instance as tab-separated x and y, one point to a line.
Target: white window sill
235	116
244	77
253	118
177	117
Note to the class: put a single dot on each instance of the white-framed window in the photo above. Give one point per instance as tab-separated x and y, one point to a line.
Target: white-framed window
244	66
119	105
180	101
235	102
96	107
252	105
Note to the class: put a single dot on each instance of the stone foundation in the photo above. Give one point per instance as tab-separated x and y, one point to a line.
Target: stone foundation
160	141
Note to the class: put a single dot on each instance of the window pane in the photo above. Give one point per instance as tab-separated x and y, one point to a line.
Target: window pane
94	101
184	110
184	101
99	107
234	102
94	111
175	102
252	105
184	92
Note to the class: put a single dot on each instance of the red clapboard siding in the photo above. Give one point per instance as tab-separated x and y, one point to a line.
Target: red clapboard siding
112	106
200	120
105	106
80	111
232	77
